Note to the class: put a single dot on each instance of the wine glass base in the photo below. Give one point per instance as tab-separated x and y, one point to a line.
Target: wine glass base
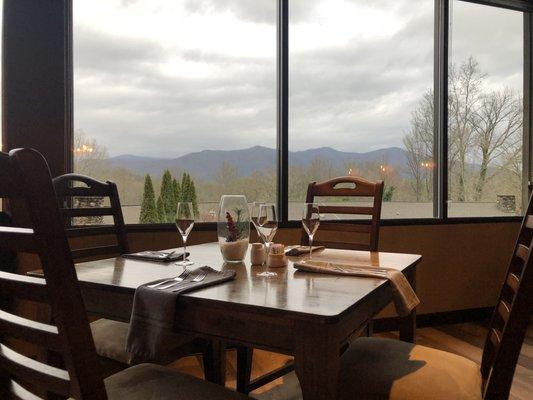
184	263
267	274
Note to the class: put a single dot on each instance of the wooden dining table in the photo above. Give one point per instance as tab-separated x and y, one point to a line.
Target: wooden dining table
306	315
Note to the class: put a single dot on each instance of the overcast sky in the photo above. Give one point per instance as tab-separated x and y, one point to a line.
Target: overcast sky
167	77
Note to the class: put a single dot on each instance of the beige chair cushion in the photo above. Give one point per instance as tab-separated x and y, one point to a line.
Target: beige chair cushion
110	339
384	369
151	382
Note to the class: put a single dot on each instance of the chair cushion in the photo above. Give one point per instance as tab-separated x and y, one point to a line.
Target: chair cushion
151	382
110	339
383	369
395	370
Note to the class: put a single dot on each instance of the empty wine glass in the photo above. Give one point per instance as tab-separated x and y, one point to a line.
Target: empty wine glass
185	222
310	222
267	225
254	214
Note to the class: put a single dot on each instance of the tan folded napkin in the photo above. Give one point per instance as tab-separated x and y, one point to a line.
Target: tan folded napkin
403	295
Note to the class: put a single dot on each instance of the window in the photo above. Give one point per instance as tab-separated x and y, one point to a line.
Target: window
361	99
179	100
177	95
485	107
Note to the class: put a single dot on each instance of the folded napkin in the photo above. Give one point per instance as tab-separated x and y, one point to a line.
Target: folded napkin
299	250
403	295
151	333
161	256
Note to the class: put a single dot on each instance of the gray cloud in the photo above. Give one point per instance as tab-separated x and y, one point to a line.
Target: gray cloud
354	97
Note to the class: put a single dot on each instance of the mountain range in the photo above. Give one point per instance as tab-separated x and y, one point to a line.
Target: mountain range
205	164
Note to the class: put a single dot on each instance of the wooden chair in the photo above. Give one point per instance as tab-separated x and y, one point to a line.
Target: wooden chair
347	186
69	192
384	369
25	177
109	335
352	187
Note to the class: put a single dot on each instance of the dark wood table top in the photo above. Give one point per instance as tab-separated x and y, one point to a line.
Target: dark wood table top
291	292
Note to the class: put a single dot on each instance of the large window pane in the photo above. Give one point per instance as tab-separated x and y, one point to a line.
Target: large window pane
361	99
184	86
485	111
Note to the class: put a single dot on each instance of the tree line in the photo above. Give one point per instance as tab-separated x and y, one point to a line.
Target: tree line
163	210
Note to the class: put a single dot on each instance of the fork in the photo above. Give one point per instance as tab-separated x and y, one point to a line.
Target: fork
176	279
198	278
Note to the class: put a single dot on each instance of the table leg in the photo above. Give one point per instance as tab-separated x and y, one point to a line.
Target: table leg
244	368
317	363
408	323
215	362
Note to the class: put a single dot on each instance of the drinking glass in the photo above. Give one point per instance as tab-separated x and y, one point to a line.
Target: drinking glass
310	222
254	215
185	222
267	225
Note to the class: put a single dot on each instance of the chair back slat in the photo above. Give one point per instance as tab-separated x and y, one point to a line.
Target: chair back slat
21	239
26	183
343	227
30	331
364	234
95	251
511	317
86	212
91	231
33	372
17	392
68	190
23	287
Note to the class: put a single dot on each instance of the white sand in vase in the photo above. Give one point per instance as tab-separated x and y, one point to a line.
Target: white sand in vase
234	251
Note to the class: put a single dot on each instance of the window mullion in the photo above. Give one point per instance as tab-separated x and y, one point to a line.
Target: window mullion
283	109
440	178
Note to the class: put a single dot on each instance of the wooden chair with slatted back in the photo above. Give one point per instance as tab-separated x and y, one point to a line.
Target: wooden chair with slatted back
386	369
68	191
25	178
109	336
349	187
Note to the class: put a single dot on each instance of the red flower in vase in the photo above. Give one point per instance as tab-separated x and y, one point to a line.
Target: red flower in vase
232	228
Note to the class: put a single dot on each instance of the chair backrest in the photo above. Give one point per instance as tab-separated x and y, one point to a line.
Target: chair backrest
70	194
364	233
25	179
511	317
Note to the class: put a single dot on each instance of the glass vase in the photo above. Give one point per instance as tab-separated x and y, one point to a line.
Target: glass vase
233	228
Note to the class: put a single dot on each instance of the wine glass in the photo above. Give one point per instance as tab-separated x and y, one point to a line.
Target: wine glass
254	214
310	222
185	222
267	225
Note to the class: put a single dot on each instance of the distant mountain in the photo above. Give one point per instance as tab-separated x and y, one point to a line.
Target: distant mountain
206	163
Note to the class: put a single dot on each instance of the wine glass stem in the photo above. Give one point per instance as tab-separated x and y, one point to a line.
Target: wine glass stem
310	246
267	246
184	247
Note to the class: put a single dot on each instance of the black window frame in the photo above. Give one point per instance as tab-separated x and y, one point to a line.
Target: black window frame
441	63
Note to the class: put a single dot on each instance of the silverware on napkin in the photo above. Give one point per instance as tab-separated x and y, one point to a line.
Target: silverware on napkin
174	280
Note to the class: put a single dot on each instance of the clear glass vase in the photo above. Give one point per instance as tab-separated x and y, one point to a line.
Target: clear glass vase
233	228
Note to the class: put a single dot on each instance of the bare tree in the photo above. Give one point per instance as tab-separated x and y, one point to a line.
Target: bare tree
497	127
465	89
419	145
89	156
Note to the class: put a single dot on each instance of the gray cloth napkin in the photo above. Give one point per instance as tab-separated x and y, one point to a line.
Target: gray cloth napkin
403	295
151	333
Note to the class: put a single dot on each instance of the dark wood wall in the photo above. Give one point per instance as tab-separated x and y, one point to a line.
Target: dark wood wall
36	79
